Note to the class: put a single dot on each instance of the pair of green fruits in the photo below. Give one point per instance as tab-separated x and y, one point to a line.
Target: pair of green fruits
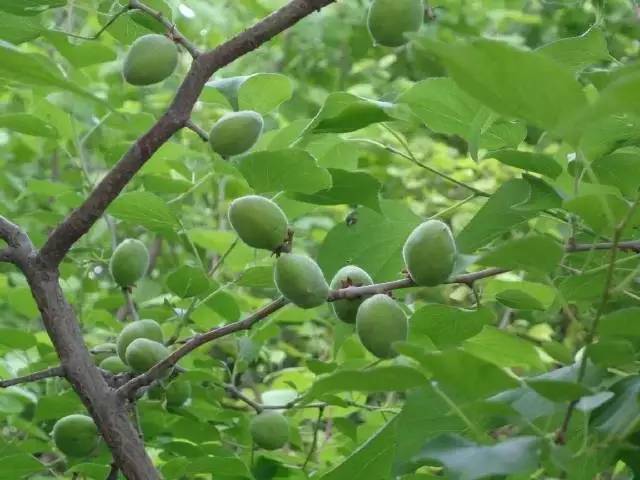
429	253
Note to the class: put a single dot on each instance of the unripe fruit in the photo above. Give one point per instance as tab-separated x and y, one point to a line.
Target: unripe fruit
430	253
155	392
236	132
151	59
300	280
380	322
129	262
114	365
350	275
389	20
269	430
142	354
139	329
75	435
177	393
102	351
258	221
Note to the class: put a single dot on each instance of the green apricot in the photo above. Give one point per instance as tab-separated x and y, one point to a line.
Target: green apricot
300	280
177	393
75	435
380	322
430	253
142	354
389	20
129	262
259	222
151	59
114	365
138	329
102	351
236	132
350	275
269	430
155	392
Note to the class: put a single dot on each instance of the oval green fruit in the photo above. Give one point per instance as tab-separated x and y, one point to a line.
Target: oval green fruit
430	253
142	354
379	323
129	262
350	275
270	430
114	365
177	393
139	329
300	280
389	20
75	435
259	222
155	392
236	132
151	59
102	351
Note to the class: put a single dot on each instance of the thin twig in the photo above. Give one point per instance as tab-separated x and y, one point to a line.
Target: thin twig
235	392
218	264
131	306
117	15
32	377
314	442
204	136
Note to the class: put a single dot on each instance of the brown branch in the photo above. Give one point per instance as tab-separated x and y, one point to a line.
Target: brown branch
631	245
6	255
33	377
82	219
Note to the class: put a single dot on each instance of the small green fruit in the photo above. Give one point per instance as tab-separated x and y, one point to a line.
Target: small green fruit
139	329
269	430
177	393
114	365
259	222
142	354
155	392
129	262
380	322
389	20
236	132
430	253
300	280
350	275
151	59
102	351
75	435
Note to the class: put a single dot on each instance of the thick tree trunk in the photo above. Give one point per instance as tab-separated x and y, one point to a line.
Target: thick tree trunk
105	406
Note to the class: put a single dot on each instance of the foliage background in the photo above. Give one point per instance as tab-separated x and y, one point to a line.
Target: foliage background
353	186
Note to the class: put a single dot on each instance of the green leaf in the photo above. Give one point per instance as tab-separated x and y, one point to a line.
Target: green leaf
19	466
188	281
146	209
57	406
535	253
81	54
520	294
349	188
16	338
620	323
257	277
530	161
620	169
504	349
264	92
28	124
221	465
465	460
620	415
578	53
374	242
29	7
16	29
513	82
292	170
378	379
448	326
611	352
601	212
343	112
558	391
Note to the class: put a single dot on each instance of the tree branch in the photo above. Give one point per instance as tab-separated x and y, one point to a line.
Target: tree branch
33	377
82	219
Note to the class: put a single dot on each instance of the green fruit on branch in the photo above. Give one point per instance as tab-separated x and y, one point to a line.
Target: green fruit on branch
102	351
379	323
259	222
114	365
155	392
140	329
151	59
300	280
236	133
270	430
177	393
350	275
430	253
75	435
389	20
142	354
129	262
